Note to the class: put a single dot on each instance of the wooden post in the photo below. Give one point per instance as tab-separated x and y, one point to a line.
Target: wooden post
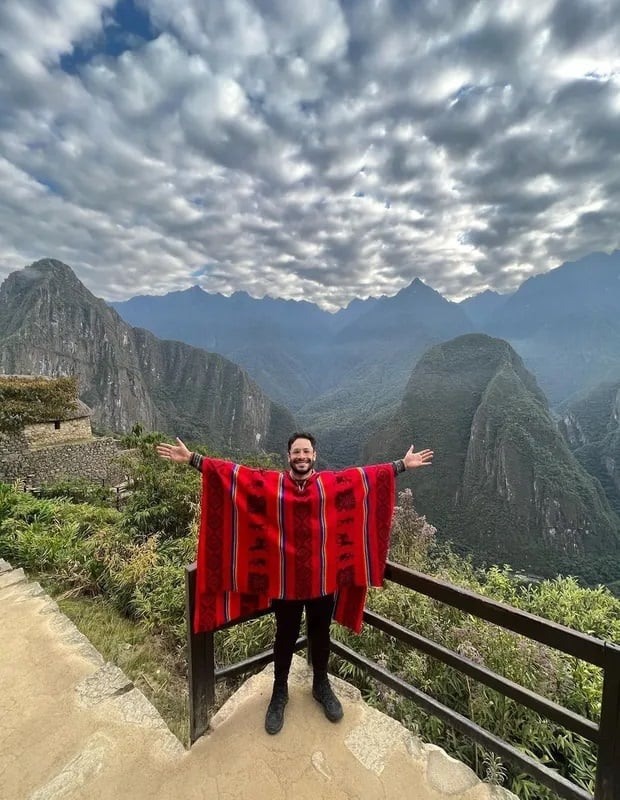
608	763
200	664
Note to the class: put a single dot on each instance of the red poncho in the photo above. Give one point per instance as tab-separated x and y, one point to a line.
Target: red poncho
262	538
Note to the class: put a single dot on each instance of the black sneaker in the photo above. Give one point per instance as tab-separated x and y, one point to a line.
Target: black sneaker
274	718
323	694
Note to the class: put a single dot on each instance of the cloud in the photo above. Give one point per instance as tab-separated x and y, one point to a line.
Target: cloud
319	150
34	34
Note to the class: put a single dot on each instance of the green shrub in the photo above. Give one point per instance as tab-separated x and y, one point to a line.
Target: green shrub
78	490
164	497
159	599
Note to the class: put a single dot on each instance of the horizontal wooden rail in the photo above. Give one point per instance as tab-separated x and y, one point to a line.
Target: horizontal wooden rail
254	662
541	630
573	722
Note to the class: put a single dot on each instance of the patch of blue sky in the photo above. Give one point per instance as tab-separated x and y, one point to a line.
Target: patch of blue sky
476	89
201	272
126	27
50	185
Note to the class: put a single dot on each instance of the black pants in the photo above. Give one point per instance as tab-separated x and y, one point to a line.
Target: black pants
319	612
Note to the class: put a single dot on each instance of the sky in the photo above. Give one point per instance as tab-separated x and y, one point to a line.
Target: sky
315	149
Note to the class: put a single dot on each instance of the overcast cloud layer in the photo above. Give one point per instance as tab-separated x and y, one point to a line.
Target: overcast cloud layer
312	149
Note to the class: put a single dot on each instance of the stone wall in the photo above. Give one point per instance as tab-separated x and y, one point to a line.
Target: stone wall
12	444
44	434
95	459
13	447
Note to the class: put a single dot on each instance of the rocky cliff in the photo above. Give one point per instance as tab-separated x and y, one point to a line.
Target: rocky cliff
591	426
504	485
50	324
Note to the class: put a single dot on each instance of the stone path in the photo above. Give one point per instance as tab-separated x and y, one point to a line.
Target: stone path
72	726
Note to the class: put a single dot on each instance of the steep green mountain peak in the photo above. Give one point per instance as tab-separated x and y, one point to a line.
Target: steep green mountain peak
504	485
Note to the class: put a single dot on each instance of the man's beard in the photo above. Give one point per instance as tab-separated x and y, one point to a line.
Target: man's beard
302	469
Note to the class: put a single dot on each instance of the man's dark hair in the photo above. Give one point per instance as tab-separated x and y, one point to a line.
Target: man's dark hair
301	435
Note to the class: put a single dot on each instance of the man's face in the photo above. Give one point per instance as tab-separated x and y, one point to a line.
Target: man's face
301	456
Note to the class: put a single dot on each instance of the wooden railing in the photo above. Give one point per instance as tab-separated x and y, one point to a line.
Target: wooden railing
606	735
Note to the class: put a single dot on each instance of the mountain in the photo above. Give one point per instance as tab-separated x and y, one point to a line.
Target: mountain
374	355
504	485
353	310
481	307
339	373
565	324
413	310
50	324
279	342
591	426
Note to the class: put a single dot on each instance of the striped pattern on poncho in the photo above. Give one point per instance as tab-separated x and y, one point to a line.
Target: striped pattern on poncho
262	538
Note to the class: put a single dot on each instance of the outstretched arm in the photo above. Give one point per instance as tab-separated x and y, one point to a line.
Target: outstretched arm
174	452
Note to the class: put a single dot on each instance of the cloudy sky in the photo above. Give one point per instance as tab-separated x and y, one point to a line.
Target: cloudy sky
311	149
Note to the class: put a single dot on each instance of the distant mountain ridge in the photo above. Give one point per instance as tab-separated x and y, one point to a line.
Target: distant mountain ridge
50	324
374	356
482	307
336	372
565	324
344	373
269	338
504	485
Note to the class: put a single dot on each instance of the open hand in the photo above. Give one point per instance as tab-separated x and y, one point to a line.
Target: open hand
174	452
423	458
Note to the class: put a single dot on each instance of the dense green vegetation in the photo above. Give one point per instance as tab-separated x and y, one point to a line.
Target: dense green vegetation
133	560
134	557
27	400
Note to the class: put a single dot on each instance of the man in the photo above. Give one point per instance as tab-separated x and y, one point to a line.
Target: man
319	538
